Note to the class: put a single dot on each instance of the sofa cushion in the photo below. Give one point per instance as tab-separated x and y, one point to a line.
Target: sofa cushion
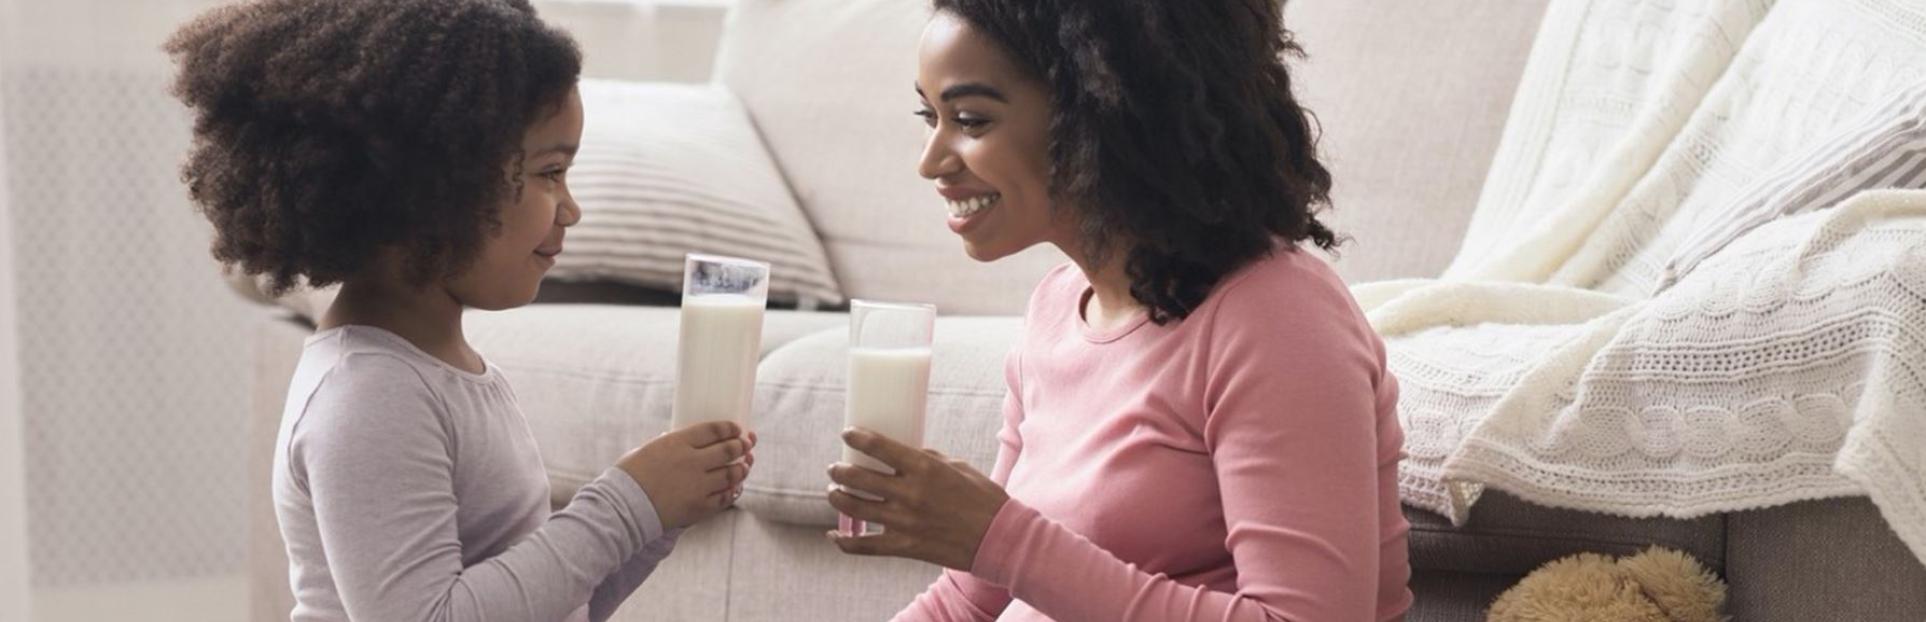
1826	559
790	573
670	169
799	411
595	381
828	83
1508	536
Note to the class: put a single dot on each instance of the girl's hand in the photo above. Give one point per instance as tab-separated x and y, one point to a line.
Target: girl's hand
935	508
692	473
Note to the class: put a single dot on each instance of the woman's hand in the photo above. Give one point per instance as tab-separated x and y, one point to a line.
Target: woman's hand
935	508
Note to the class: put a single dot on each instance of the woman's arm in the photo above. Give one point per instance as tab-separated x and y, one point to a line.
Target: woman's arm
956	596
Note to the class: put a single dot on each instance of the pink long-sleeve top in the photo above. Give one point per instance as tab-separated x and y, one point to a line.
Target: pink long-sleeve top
1240	464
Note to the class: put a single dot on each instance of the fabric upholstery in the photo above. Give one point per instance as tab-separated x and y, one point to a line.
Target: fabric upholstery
595	381
1412	98
791	572
670	169
1829	559
1508	536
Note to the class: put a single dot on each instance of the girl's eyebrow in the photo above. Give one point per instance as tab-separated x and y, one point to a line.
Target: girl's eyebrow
567	149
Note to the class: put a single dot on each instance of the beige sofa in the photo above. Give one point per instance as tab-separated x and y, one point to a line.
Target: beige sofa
1412	97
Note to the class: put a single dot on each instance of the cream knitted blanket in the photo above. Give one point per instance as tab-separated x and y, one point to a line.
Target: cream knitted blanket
1683	291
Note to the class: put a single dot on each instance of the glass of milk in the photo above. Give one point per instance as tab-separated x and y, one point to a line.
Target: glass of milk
889	379
721	339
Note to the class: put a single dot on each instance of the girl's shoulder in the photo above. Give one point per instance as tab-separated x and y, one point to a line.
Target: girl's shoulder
361	341
359	392
361	365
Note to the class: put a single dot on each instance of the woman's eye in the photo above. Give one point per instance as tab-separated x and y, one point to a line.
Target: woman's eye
966	121
555	175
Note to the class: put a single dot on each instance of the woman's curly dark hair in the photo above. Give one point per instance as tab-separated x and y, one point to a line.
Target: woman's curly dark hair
1175	130
327	130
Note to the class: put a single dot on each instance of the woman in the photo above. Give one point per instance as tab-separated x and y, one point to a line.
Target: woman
1200	422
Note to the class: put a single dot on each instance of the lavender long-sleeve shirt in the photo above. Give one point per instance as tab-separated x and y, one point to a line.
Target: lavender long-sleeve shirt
409	489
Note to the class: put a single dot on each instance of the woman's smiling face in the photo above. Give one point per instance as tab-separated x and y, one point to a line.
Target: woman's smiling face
989	143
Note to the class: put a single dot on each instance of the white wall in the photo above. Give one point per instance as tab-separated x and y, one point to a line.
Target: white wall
136	393
665	40
15	595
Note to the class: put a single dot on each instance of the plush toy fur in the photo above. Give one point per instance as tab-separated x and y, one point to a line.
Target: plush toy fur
1658	585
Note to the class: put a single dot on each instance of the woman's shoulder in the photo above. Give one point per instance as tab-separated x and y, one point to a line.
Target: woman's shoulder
1289	313
1291	281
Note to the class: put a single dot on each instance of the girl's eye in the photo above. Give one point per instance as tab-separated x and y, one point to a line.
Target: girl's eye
970	122
929	116
555	175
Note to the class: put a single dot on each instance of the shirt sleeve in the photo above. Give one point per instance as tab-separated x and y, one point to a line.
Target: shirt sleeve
374	451
958	596
1291	423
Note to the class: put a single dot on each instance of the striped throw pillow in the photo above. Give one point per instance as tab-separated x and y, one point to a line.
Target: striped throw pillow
670	169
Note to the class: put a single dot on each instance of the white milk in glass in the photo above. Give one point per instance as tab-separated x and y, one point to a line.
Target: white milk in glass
889	381
888	390
716	359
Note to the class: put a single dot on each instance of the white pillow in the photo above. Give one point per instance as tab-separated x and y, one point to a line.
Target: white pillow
670	169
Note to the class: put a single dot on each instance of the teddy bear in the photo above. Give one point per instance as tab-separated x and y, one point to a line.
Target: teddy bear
1657	585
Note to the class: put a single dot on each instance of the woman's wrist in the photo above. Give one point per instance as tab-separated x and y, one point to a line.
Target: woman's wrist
995	554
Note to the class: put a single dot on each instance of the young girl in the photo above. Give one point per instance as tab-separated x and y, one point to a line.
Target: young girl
1200	424
416	152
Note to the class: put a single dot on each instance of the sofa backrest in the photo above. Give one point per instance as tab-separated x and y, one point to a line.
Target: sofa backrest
1412	96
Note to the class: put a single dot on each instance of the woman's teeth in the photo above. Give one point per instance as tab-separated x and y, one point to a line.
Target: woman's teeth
969	207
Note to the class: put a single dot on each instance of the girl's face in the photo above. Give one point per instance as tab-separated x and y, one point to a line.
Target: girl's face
509	269
989	142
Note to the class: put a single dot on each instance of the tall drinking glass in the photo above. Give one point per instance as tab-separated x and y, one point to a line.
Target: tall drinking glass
722	303
889	379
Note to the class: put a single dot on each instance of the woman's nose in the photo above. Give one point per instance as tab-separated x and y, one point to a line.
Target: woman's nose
938	158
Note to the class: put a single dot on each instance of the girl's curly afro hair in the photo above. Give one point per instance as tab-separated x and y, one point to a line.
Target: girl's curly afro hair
328	130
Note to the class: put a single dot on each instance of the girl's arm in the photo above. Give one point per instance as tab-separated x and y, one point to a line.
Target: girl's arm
379	468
